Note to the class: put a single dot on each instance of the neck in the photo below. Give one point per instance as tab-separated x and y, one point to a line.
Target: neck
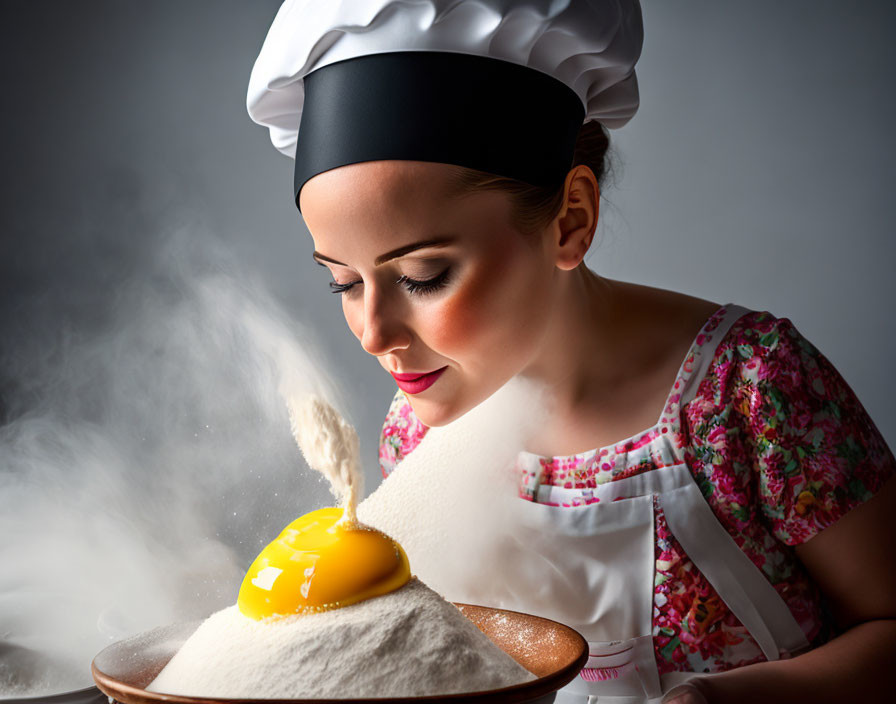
577	359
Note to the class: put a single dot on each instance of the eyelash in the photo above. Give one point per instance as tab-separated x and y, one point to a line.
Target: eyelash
413	286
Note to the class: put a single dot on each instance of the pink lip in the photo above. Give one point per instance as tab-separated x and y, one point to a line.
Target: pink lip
414	383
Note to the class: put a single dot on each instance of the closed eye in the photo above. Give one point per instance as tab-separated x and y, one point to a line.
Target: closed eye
422	287
342	288
413	286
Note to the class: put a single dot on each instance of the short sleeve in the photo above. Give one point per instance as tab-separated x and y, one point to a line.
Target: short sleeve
402	432
815	450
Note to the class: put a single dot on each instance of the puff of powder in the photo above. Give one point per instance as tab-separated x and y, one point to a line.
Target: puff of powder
410	642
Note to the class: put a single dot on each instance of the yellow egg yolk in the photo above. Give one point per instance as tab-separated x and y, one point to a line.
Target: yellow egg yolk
316	565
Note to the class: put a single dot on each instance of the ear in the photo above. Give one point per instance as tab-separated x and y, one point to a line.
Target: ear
575	223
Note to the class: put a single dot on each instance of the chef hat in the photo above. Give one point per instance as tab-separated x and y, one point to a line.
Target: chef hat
500	86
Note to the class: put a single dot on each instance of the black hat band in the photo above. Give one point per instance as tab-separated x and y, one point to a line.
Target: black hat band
479	112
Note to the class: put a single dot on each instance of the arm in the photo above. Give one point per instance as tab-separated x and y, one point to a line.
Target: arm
854	564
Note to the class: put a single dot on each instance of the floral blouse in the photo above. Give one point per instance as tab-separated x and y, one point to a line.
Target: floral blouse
780	447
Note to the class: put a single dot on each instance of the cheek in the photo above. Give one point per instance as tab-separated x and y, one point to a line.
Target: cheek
463	316
500	297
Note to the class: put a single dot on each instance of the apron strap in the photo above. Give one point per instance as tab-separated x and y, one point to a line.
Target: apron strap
738	581
706	351
734	576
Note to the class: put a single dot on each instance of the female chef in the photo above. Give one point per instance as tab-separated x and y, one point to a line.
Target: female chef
708	496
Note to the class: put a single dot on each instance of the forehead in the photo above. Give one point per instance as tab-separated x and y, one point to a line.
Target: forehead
396	200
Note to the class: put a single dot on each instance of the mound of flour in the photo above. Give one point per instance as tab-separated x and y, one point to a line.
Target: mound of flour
410	642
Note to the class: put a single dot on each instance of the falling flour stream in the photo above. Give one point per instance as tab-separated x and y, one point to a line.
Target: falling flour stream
330	446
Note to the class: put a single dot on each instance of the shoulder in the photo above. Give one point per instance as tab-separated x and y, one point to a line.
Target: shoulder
768	363
775	420
774	381
402	432
760	334
752	355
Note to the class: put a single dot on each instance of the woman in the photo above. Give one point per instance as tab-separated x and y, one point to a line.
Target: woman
763	488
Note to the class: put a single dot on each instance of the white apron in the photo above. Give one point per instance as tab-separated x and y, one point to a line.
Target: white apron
605	551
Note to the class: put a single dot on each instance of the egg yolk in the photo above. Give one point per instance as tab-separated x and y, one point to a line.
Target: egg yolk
316	565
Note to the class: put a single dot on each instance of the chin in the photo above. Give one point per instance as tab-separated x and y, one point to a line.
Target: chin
434	414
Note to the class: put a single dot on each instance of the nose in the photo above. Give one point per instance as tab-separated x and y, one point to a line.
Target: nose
385	326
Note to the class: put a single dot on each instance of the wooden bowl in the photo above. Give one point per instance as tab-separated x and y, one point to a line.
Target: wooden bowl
553	652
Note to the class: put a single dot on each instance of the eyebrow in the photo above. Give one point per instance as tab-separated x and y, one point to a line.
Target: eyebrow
395	253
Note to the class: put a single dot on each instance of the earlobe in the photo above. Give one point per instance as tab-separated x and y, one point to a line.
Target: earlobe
577	219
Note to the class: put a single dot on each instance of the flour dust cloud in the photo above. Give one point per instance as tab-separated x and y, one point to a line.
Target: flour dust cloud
457	487
148	464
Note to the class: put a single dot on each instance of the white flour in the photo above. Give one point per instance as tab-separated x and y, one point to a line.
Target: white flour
410	642
452	503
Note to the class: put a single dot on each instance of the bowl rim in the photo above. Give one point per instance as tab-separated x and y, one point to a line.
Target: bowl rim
533	688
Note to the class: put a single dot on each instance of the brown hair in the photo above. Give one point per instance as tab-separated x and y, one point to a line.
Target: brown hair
533	207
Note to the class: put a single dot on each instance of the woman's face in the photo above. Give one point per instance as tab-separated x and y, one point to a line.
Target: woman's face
431	283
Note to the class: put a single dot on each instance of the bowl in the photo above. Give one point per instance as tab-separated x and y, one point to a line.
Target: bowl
551	651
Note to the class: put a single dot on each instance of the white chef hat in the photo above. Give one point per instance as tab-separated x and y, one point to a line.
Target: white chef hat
501	86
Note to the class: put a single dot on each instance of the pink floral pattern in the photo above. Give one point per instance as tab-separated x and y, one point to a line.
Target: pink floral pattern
401	433
780	447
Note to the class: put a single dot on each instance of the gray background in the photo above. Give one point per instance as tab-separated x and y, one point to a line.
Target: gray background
758	170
